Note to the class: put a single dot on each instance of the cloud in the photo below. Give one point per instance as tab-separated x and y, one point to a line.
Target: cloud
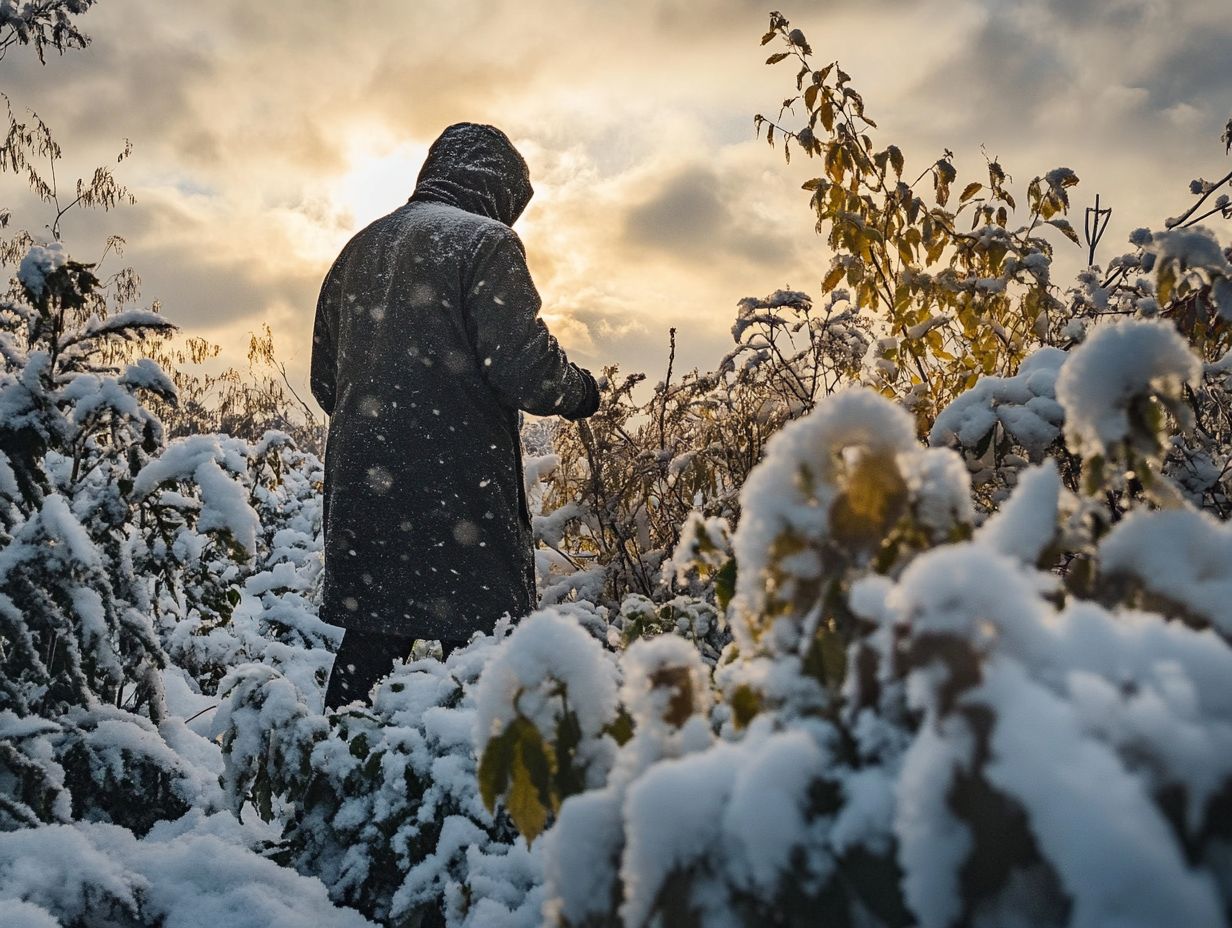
265	133
684	216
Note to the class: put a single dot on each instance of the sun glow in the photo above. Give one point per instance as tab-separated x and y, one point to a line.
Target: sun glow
379	175
379	178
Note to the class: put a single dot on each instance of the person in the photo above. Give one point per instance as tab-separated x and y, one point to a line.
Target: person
427	343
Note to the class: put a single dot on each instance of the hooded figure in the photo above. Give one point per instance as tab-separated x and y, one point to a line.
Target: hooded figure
426	345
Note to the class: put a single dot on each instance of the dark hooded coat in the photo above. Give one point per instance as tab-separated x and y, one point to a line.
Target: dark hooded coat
427	342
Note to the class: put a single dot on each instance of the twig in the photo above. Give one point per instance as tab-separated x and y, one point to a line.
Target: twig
671	359
202	712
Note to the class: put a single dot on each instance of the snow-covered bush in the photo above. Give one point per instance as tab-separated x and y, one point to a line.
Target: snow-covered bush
79	658
623	486
219	605
200	870
916	725
384	804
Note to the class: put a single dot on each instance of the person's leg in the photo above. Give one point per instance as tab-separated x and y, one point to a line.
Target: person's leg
448	647
362	659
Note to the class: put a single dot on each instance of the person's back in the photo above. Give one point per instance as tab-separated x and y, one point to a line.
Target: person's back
427	343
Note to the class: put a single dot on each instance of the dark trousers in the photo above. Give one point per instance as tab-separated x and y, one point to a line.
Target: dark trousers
363	658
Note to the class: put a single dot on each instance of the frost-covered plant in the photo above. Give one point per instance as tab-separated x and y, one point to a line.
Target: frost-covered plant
87	734
221	603
93	875
623	486
75	612
385	804
44	24
546	705
924	725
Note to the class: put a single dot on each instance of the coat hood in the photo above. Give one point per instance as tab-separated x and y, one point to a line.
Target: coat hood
476	168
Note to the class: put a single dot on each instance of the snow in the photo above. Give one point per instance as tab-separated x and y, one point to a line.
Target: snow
74	872
582	884
224	504
545	651
1026	524
1024	405
932	843
795	486
765	816
675	813
145	374
665	683
1194	247
123	323
1116	366
1081	801
939	484
1182	555
747	782
38	263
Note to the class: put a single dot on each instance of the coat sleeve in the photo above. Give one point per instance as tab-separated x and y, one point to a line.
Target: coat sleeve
519	358
324	365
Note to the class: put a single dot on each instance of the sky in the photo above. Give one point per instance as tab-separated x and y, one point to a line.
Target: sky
266	133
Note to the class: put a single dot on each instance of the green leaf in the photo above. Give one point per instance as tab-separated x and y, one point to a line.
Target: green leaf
725	583
621	728
494	767
568	779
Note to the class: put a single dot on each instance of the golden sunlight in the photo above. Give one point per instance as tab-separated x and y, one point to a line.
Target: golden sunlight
379	178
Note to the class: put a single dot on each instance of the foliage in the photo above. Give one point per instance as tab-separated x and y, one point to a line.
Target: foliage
42	24
790	660
635	473
955	301
383	804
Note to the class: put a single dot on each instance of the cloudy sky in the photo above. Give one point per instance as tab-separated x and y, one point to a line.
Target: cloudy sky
266	133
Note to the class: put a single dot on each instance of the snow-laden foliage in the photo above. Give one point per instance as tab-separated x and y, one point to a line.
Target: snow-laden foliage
384	803
789	664
197	872
912	728
126	562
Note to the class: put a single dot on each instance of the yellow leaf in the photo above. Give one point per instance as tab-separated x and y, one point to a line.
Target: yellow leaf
1165	282
530	782
896	159
969	191
833	278
873	500
679	680
525	808
745	704
827	115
